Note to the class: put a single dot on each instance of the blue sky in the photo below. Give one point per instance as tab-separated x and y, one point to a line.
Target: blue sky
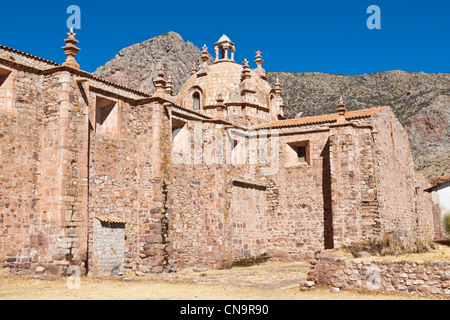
295	36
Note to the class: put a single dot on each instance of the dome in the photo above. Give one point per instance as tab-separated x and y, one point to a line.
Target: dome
231	91
224	78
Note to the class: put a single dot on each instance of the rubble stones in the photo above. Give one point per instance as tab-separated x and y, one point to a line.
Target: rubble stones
39	269
383	275
363	254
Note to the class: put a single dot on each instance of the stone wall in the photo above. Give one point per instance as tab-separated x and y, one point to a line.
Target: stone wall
346	174
327	201
428	225
425	278
53	173
23	236
248	221
200	200
75	148
59	172
393	162
301	196
127	180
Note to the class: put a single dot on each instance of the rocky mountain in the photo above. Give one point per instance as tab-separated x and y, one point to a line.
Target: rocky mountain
420	101
137	66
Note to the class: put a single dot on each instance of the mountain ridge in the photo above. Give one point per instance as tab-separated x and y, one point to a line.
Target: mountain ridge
421	101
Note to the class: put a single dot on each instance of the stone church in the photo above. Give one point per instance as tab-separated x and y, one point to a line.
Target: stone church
113	180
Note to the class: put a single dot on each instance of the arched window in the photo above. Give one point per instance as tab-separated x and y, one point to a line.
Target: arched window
271	100
196	97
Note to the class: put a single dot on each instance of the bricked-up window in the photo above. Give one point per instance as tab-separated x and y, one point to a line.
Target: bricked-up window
7	92
298	153
107	117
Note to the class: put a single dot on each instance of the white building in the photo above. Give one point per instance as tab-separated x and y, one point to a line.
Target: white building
441	193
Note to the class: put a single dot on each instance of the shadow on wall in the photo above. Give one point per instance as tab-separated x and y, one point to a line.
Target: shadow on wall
326	192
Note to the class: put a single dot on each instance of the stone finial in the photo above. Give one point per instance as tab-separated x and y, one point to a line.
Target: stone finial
259	61
259	69
277	89
278	94
205	57
220	99
160	83
194	69
246	73
341	111
169	86
161	72
341	106
220	107
71	50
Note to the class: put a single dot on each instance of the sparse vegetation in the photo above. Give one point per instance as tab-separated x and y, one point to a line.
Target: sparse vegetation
389	246
269	281
251	261
446	223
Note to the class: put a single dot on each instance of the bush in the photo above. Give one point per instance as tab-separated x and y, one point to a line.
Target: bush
446	223
390	246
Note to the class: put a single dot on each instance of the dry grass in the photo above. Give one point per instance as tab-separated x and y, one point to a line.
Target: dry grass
392	244
439	253
446	223
268	281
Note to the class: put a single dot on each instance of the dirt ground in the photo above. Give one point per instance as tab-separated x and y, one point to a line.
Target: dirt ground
268	281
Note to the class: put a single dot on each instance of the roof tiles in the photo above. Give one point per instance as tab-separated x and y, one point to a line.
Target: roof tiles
106	219
321	119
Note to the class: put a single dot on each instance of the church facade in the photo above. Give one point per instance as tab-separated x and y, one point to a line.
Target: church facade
111	180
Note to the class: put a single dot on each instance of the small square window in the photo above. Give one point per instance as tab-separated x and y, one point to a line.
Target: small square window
107	117
298	153
181	142
7	92
301	154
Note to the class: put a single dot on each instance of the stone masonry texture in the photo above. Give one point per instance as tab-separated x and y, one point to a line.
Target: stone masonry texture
421	101
109	179
424	278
